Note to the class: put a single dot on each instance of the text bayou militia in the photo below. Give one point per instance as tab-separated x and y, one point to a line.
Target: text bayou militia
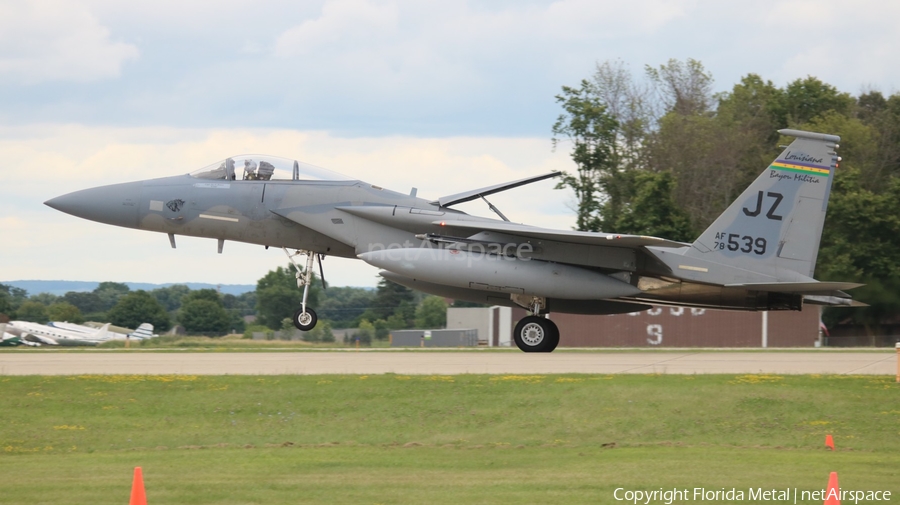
784	495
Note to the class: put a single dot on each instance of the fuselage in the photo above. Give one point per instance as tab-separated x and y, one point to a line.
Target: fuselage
348	218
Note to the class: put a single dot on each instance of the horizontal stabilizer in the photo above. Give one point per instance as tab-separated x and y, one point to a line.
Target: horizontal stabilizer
833	301
467	196
796	287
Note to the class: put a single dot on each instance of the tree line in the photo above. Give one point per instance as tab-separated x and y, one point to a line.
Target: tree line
198	311
661	154
373	313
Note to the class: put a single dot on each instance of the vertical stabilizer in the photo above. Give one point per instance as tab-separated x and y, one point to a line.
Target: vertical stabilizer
144	331
102	333
775	225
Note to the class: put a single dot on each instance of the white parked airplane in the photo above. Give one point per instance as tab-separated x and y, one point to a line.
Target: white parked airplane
10	340
144	331
48	335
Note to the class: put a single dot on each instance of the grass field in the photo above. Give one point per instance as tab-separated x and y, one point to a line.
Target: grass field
439	439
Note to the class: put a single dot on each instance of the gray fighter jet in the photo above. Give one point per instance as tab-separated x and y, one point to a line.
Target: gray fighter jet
758	255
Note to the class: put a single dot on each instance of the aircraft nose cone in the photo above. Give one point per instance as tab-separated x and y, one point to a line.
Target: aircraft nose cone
116	204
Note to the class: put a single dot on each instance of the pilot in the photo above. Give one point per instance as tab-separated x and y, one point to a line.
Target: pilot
249	170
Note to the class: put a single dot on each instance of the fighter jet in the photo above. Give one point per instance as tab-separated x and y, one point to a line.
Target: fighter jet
760	254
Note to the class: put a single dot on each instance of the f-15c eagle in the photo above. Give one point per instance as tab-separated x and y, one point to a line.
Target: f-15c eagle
759	254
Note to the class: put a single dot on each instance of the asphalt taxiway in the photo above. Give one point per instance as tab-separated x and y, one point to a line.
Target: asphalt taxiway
449	362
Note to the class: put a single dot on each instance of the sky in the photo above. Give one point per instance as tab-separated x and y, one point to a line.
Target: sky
443	96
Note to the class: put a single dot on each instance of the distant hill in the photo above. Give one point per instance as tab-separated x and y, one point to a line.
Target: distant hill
60	288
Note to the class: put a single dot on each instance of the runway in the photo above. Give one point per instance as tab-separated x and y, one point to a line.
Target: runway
449	363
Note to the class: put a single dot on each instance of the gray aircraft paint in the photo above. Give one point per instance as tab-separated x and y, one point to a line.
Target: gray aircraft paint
506	274
572	271
776	223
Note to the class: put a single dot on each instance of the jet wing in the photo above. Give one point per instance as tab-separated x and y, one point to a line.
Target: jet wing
446	201
574	237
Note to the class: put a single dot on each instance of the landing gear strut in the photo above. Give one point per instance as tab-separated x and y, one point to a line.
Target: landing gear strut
305	317
536	333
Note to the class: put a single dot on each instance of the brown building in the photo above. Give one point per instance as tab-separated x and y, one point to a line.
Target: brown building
658	327
684	327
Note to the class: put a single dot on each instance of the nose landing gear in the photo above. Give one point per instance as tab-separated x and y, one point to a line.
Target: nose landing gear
305	318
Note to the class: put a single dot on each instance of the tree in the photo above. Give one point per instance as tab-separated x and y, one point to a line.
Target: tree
44	298
363	334
699	152
883	117
200	315
382	330
110	293
208	294
170	296
684	88
202	312
616	128
278	297
392	299
139	307
631	106
321	333
35	312
11	298
64	311
859	147
804	99
749	119
653	210
344	306
238	307
86	302
432	313
325	333
586	123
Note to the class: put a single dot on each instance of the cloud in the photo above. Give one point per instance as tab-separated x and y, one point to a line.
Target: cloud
343	23
46	40
388	67
426	55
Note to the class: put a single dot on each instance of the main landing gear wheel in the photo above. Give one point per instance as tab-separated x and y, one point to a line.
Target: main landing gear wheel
536	334
305	321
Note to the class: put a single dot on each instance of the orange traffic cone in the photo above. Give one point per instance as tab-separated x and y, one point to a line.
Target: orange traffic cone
833	496
829	442
138	496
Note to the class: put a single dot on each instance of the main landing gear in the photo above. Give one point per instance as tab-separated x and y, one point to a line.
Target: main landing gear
305	317
536	333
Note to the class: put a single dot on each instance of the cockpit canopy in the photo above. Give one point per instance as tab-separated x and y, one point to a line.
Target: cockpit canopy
254	167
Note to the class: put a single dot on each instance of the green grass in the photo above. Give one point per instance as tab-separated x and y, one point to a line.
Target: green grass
438	439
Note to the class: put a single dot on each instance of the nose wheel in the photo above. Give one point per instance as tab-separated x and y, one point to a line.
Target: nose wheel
536	334
305	318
